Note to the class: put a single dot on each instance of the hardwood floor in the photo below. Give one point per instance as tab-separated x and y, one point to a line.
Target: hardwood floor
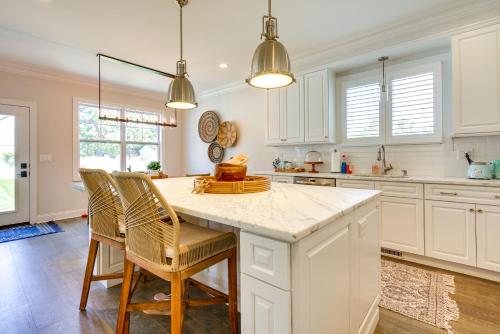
41	280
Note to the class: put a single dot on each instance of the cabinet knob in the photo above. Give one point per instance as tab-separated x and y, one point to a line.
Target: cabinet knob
497	196
479	210
471	210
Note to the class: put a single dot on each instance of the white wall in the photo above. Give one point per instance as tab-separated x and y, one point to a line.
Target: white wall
54	99
247	107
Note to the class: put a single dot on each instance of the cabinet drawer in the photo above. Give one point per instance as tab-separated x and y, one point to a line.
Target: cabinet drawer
265	309
265	259
357	184
463	194
398	189
283	179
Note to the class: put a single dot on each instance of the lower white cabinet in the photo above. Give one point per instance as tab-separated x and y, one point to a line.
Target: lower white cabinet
450	231
283	179
488	237
267	309
402	224
369	263
356	184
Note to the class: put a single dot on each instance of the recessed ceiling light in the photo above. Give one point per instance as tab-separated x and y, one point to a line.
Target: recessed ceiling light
223	65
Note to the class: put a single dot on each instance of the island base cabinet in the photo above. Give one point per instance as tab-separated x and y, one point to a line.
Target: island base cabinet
402	224
488	234
450	231
266	309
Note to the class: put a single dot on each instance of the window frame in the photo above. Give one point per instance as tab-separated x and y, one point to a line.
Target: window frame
122	141
353	80
407	71
385	127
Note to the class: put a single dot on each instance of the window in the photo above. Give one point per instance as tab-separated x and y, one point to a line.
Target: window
112	145
410	113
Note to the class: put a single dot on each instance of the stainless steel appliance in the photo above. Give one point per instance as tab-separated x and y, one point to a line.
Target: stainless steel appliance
314	181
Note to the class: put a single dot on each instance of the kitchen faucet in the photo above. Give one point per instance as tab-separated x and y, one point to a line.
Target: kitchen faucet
381	157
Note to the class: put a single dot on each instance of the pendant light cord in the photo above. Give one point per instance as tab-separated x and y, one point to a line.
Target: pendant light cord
269	7
180	6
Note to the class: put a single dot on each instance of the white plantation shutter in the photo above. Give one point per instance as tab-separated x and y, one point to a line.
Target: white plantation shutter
412	105
362	111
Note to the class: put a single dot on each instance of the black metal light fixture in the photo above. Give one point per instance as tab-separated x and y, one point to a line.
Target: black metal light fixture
169	119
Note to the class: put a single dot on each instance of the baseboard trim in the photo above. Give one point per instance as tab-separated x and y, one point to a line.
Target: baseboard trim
43	218
371	320
456	267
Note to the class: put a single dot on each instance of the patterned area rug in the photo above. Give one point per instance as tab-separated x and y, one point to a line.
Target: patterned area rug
28	231
419	294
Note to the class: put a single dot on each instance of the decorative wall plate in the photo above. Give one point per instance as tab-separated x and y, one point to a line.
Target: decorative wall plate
215	153
226	135
208	126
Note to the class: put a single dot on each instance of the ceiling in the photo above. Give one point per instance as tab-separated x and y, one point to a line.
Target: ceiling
65	35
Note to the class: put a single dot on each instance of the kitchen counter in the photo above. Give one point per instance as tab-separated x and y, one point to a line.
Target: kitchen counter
287	212
412	179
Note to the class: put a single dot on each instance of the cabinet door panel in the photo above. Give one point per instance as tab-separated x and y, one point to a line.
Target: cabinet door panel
488	234
450	231
294	113
323	279
369	261
265	309
274	106
402	224
356	184
476	81
316	107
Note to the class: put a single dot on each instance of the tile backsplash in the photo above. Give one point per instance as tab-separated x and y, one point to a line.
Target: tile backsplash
446	159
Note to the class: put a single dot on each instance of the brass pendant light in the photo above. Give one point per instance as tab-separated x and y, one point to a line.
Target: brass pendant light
181	93
270	64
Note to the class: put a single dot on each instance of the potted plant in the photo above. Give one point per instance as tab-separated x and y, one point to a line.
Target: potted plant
154	168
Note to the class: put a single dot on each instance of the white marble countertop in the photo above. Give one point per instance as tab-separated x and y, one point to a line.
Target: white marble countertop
412	179
287	212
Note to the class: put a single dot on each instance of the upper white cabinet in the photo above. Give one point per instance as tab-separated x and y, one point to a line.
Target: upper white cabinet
319	120
300	113
476	81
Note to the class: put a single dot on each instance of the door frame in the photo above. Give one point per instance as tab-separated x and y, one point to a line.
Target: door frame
33	152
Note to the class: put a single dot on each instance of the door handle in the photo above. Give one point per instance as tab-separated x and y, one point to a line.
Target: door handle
448	193
22	174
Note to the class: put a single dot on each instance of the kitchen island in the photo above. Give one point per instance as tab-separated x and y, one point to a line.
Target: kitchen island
309	257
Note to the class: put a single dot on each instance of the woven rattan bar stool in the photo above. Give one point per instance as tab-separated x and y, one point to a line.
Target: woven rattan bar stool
157	242
107	223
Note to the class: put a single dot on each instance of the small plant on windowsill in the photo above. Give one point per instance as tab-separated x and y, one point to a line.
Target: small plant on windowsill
154	168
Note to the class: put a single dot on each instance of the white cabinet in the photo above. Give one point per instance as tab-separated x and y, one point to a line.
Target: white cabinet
369	262
319	121
450	231
476	81
282	179
267	309
488	234
356	184
274	117
402	224
323	278
285	115
301	112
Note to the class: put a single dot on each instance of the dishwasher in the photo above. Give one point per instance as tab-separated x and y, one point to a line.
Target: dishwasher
314	181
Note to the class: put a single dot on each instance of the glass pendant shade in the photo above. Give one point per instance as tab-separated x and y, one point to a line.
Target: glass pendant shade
271	66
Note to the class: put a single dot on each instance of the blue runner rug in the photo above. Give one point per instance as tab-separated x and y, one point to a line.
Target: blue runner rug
28	231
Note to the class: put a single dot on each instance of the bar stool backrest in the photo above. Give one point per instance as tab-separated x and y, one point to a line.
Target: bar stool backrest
152	225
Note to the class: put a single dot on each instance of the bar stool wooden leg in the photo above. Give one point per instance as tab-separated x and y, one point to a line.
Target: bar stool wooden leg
89	270
176	303
233	287
123	315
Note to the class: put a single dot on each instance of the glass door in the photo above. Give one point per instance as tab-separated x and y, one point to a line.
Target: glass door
14	164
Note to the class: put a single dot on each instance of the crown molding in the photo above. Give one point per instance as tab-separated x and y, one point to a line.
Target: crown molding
58	76
420	30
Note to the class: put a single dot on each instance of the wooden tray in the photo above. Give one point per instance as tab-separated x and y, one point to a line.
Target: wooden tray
251	184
